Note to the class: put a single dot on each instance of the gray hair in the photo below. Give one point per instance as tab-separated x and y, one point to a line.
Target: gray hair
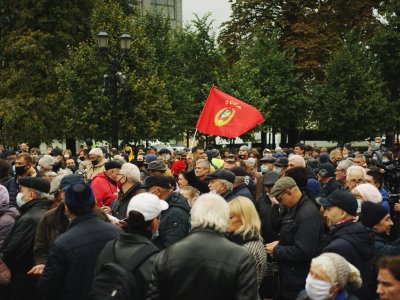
228	184
355	168
345	164
210	211
203	162
131	172
240	179
298	160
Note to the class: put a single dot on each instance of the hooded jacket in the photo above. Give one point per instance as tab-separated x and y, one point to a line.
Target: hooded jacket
7	219
355	243
94	170
175	221
105	191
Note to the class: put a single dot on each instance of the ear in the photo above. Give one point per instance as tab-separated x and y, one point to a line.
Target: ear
154	224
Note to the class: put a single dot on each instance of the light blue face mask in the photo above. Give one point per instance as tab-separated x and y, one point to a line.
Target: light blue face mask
375	158
264	168
39	168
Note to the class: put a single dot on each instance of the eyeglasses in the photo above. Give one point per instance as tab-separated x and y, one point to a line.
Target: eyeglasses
355	181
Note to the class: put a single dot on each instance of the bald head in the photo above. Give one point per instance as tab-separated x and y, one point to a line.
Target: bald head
296	161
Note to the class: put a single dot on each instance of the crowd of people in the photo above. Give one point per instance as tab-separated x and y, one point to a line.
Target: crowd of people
200	223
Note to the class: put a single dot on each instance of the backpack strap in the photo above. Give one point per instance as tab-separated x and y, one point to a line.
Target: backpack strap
138	258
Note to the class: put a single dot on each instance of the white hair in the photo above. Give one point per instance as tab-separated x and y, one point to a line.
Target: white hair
210	211
345	164
131	172
97	152
228	184
355	168
298	160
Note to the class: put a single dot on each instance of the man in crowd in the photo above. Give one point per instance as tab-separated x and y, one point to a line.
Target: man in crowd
175	224
360	160
205	265
98	161
221	183
348	238
240	185
389	278
280	166
244	152
104	184
229	162
299	149
341	170
17	249
355	175
69	271
299	237
128	183
196	177
156	168
326	176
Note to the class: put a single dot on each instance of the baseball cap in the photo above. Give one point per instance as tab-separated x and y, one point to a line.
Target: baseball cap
326	170
149	205
342	199
282	185
222	174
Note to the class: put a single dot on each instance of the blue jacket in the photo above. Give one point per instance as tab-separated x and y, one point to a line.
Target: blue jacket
175	221
240	190
70	269
384	247
385	199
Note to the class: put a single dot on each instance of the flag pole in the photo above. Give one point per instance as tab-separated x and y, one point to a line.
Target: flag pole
194	137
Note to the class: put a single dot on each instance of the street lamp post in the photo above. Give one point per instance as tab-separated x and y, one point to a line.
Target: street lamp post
115	78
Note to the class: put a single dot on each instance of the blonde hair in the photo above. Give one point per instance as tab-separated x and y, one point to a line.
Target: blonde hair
246	211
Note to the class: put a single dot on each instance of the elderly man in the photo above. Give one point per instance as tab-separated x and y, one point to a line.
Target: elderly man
229	162
341	170
175	224
205	265
326	176
299	237
240	185
348	238
128	182
156	168
355	175
97	158
296	161
244	152
196	177
280	166
221	183
360	160
17	250
104	184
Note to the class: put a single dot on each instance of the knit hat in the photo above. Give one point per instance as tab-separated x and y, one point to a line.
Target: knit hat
47	161
96	151
4	197
372	213
338	270
79	195
369	192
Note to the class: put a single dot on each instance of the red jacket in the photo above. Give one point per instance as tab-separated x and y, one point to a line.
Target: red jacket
104	191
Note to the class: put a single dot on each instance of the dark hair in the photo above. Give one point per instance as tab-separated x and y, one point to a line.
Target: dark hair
164	151
301	146
317	150
172	181
137	225
376	174
299	175
4	168
390	263
195	148
308	148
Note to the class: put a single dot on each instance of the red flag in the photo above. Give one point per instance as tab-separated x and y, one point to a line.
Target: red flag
224	115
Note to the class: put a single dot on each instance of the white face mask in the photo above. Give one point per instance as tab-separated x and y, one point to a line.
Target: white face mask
317	289
39	168
277	170
20	199
264	168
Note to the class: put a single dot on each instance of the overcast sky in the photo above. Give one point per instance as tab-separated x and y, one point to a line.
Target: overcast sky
219	9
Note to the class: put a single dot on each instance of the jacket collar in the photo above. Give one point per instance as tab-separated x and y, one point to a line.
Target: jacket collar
45	203
82	218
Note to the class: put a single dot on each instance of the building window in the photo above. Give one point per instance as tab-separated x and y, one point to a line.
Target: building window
167	8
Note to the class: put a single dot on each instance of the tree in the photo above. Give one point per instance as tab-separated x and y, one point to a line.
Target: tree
352	102
34	36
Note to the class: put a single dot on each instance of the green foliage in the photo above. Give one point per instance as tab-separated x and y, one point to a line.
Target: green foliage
352	102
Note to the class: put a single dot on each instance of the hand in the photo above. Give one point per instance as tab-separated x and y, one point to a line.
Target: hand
36	270
270	247
119	223
107	210
397	207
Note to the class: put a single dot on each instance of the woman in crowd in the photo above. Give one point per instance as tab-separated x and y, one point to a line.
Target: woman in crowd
244	229
329	278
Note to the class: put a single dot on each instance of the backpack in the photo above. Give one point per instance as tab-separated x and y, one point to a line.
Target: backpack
117	282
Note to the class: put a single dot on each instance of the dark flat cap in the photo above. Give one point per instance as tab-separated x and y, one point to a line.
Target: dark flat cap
39	184
159	180
238	171
268	159
222	174
112	164
282	185
281	162
270	177
157	165
70	179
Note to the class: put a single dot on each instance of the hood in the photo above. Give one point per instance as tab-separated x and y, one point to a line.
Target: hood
177	200
100	175
10	211
359	236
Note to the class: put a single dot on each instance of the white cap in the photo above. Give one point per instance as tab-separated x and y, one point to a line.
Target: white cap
47	161
96	151
149	205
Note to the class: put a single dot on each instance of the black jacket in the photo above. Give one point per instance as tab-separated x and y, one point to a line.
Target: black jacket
175	221
240	190
384	247
70	268
299	237
17	251
195	182
120	206
205	265
13	188
125	249
331	186
265	210
355	243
